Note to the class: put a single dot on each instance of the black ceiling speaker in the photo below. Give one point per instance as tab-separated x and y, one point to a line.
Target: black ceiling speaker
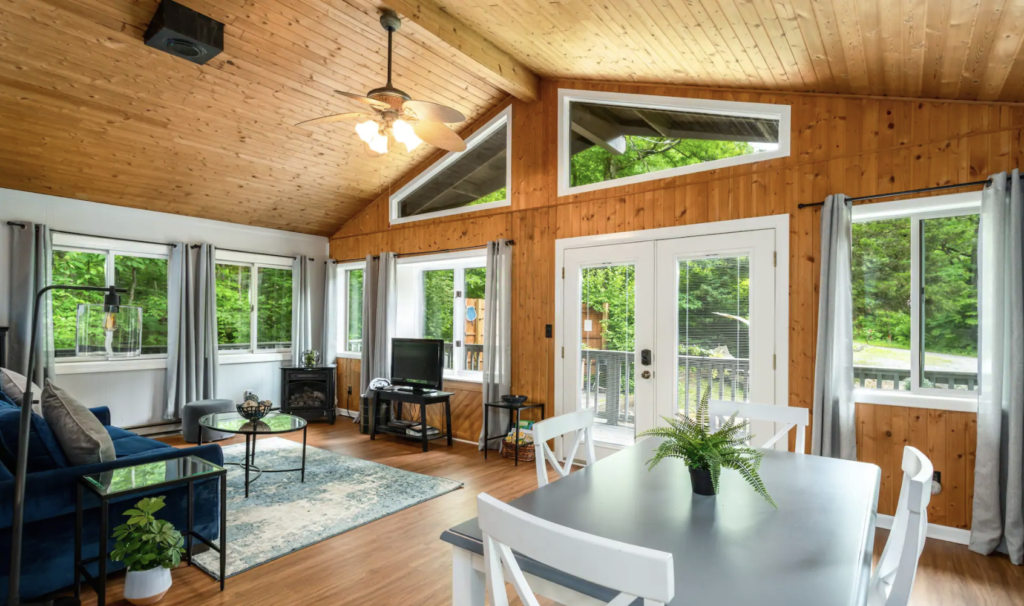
184	33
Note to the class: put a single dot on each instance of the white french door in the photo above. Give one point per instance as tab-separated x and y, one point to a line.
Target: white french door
647	327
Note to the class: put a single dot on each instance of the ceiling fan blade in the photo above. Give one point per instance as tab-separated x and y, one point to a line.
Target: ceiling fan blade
336	118
362	99
439	135
428	110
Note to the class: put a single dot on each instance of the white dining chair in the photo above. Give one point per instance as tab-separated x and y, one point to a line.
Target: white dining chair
792	416
634	572
581	423
894	576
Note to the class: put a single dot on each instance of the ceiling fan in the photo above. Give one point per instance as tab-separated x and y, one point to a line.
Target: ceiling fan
395	115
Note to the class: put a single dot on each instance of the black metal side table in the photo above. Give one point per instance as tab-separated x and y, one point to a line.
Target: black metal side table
145	477
516	408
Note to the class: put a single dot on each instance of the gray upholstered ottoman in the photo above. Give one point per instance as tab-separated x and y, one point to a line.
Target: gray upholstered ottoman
193	411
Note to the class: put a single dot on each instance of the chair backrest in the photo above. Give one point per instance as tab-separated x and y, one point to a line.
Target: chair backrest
792	416
581	423
635	572
894	576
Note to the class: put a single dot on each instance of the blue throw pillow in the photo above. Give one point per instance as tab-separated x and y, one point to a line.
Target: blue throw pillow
44	453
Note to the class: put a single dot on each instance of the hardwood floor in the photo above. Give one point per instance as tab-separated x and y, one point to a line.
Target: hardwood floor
400	559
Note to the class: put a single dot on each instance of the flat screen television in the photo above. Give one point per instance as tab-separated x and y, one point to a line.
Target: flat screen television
417	363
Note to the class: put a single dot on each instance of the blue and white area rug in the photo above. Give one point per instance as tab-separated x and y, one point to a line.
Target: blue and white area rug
283	515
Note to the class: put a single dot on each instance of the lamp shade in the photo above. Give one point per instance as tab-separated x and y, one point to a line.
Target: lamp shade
109	334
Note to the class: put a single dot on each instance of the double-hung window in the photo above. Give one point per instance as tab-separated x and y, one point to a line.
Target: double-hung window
915	302
139	268
254	303
350	310
442	297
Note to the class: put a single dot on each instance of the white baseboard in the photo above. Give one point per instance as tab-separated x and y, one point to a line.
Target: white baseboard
935	531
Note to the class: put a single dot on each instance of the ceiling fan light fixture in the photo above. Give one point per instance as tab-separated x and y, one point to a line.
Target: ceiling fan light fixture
403	133
379	144
368	131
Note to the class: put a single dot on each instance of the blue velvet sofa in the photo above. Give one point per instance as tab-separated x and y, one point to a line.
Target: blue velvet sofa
49	537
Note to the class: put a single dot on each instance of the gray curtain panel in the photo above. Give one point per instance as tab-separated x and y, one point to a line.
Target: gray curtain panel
497	337
833	432
329	336
302	322
998	521
31	269
378	318
192	327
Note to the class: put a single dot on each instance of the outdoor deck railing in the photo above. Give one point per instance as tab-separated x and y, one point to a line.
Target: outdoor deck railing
474	356
899	378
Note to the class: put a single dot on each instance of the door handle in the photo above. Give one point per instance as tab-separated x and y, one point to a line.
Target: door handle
645	358
646	374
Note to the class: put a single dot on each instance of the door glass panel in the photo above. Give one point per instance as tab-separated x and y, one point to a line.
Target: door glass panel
607	344
475	279
714	330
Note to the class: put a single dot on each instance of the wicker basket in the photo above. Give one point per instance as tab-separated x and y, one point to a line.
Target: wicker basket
526	451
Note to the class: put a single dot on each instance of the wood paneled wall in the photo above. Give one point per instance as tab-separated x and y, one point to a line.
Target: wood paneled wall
856	146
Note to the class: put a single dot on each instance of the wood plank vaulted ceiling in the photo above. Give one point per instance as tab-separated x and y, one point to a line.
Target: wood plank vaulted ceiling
89	112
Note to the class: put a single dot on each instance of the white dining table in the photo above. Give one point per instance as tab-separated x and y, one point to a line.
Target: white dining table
730	549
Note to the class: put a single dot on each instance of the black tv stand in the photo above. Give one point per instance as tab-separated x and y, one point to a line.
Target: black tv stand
400	395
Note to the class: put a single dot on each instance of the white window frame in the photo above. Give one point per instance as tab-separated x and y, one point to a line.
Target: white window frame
254	262
342	298
495	123
110	247
916	210
707	106
459	262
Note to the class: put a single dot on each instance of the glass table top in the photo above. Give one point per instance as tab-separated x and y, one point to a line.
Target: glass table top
232	422
149	475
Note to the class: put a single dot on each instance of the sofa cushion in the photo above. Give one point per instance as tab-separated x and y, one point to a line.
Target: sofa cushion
5	474
44	452
133	445
14	384
116	433
79	432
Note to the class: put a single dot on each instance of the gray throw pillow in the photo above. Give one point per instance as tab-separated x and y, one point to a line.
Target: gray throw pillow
82	437
14	385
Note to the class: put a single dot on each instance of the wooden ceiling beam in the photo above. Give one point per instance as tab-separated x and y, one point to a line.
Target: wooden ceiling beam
486	60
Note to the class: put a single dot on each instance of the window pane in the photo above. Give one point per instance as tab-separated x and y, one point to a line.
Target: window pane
354	330
78	269
608	343
714	330
439	309
145	280
476	177
881	304
611	142
274	308
949	304
475	279
233	307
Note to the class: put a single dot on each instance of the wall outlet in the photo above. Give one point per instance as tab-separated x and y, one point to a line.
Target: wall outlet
547	330
349	390
936	482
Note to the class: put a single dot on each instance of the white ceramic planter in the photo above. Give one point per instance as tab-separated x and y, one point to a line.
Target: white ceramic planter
148	586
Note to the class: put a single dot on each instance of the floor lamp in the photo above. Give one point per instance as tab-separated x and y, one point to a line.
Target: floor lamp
111	308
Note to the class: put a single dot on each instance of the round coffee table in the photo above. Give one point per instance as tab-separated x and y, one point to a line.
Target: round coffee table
274	423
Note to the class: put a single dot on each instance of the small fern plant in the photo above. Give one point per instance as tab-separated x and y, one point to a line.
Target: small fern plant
693	441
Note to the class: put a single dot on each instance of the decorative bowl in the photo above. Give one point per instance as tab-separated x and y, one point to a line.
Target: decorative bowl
514	400
251	410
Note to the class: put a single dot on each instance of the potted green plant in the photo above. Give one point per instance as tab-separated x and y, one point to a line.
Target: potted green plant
150	548
706	453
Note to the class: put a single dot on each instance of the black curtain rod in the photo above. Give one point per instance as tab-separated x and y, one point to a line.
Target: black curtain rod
907	193
75	233
420	254
249	252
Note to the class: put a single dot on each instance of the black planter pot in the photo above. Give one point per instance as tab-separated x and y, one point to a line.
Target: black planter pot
700	479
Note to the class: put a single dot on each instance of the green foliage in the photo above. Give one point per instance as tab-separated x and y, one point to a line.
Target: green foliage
691	440
614	285
233	306
476	279
77	269
354	331
709	288
491	197
274	308
145	279
144	542
647	155
439	304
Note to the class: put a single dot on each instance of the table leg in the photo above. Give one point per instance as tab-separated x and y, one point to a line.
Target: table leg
517	438
487	442
78	542
373	415
223	526
304	454
101	594
246	465
253	456
448	418
423	425
467	582
191	520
